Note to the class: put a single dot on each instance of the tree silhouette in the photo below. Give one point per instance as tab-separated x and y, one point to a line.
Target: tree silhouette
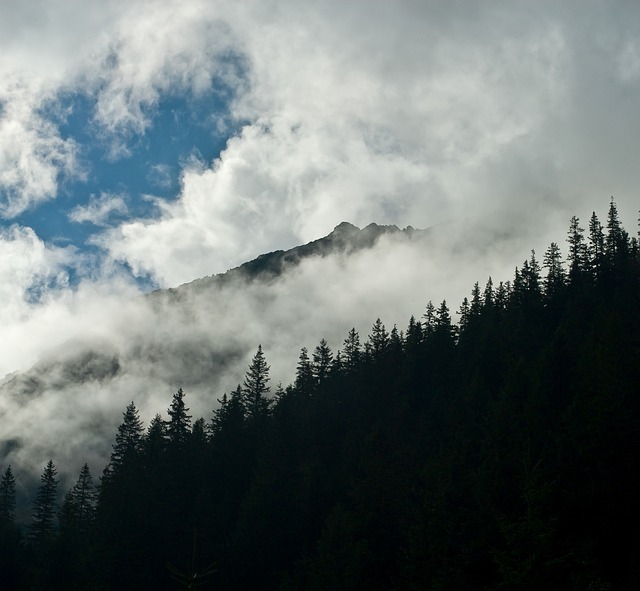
42	525
128	439
255	388
79	506
304	372
7	496
322	357
179	423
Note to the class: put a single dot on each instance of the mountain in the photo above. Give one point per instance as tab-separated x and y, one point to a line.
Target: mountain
198	336
497	452
345	239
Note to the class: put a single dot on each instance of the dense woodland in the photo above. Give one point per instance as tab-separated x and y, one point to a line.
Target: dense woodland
499	451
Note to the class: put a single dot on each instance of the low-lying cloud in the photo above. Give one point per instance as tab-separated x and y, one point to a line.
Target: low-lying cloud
503	119
202	337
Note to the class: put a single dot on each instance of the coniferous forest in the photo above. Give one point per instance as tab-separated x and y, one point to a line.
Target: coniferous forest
492	447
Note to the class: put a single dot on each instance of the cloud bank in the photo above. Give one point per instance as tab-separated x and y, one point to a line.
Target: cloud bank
501	119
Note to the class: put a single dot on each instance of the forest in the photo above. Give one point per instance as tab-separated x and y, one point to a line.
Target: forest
494	447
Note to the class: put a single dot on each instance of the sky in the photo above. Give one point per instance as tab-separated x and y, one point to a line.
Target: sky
146	144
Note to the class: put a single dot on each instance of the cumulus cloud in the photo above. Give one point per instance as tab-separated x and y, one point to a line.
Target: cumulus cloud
112	350
33	156
518	114
99	209
505	117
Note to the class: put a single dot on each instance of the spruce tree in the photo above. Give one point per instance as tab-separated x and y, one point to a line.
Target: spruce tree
322	357
179	423
577	256
7	496
596	247
414	334
304	372
555	278
429	318
79	506
352	351
255	388
378	339
128	438
444	326
488	295
44	510
475	306
155	440
463	312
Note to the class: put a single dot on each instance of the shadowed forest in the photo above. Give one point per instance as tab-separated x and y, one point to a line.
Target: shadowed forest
496	446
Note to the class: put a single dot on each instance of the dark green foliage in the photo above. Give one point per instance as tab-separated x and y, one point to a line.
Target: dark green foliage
596	247
352	351
255	388
500	454
78	508
304	372
179	423
10	537
43	523
378	340
128	440
554	282
322	359
7	496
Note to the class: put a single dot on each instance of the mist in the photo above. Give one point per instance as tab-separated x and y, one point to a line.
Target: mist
113	349
492	124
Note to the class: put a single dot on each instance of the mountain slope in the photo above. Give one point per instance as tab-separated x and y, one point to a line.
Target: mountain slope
198	336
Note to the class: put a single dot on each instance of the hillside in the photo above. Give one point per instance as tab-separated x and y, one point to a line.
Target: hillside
497	453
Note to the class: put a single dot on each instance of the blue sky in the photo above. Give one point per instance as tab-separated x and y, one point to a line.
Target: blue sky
180	130
144	146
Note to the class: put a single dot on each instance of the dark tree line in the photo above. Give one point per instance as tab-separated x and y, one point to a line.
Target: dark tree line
501	451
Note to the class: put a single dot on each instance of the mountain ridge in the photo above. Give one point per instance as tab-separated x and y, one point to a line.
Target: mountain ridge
345	238
81	361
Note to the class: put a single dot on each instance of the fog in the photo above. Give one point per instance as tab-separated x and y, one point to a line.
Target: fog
201	337
493	123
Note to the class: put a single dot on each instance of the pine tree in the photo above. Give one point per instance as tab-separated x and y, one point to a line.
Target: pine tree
379	339
79	506
304	372
463	312
322	357
230	413
179	423
444	326
255	388
617	239
352	351
414	333
596	246
502	295
7	496
531	274
128	439
577	256
44	510
155	440
429	317
487	297
11	565
555	279
475	306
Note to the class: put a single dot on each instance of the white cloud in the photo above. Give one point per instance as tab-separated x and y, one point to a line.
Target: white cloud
33	156
378	114
511	115
98	210
28	266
